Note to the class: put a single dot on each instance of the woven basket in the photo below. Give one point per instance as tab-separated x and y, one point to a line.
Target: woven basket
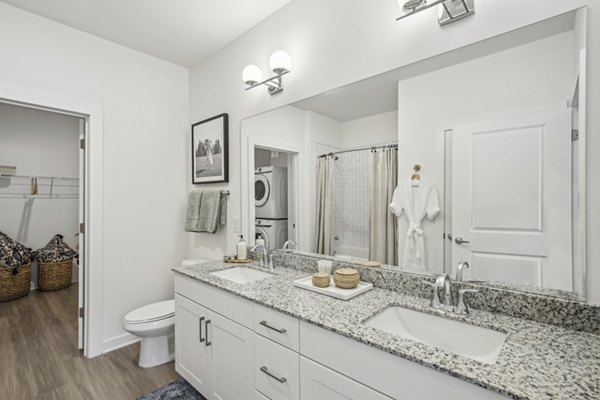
321	280
55	275
346	278
15	286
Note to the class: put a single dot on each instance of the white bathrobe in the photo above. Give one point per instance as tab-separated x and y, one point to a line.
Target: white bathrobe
417	203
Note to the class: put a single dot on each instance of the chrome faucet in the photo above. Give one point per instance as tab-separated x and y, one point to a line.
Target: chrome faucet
444	281
460	269
266	258
288	243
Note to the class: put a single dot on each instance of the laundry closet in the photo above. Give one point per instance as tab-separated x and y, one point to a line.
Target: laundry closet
39	180
271	197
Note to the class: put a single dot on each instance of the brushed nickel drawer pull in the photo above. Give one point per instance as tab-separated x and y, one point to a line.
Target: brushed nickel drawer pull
207	343
266	325
200	328
278	379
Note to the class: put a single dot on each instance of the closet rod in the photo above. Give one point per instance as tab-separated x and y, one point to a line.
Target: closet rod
38	177
381	146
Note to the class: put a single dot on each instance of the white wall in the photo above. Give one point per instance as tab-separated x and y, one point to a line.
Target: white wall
534	75
341	41
43	144
146	140
374	129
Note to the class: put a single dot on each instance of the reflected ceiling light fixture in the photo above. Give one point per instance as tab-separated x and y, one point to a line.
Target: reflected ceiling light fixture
280	62
450	10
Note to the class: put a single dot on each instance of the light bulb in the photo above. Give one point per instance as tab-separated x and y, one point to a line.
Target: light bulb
251	75
280	61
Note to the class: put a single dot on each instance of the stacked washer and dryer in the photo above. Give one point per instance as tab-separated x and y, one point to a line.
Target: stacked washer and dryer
271	202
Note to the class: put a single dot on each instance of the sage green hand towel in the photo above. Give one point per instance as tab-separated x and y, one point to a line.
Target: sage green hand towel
223	210
206	211
193	211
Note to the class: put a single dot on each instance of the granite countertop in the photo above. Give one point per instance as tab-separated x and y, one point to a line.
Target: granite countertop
537	361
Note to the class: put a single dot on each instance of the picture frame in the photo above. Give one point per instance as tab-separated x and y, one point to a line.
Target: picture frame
210	150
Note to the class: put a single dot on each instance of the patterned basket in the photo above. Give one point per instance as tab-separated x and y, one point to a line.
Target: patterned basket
13	286
55	275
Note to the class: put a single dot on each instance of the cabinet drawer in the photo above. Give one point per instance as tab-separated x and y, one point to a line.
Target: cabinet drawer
320	383
217	300
276	370
259	396
277	326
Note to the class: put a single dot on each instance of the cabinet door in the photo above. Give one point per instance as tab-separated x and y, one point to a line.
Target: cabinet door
191	353
231	348
320	383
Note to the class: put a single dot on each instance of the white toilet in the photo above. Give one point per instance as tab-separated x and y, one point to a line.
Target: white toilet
155	324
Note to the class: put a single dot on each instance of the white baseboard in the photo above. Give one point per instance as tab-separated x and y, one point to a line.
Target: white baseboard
117	342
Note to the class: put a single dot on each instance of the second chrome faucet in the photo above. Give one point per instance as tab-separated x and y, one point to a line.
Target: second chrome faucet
444	282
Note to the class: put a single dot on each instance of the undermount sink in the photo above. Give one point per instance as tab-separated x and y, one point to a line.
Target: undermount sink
477	343
241	275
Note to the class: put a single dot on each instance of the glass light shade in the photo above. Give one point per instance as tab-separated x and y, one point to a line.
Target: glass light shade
409	6
280	61
251	75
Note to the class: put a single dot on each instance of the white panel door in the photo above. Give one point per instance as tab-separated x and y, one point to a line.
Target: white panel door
320	383
191	352
231	348
511	198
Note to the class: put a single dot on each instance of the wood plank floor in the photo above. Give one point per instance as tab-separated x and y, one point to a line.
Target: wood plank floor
39	357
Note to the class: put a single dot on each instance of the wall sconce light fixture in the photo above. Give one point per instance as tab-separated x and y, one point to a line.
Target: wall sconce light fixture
450	10
280	62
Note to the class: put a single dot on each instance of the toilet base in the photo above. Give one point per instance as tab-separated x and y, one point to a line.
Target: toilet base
157	350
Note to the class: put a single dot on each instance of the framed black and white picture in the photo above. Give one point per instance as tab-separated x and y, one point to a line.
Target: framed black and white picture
210	152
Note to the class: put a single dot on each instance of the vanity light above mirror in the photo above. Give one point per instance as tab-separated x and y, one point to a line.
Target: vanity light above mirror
280	62
449	10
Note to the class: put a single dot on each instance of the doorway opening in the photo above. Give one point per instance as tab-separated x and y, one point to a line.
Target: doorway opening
42	191
275	193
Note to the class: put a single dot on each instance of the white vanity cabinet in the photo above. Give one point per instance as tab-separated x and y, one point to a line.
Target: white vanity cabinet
212	352
191	352
229	348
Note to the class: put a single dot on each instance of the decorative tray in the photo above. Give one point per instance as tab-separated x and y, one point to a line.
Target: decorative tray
236	261
332	290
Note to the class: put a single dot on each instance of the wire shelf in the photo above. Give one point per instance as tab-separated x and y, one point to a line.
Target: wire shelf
46	187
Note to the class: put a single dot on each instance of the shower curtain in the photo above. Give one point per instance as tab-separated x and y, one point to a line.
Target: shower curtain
325	205
383	232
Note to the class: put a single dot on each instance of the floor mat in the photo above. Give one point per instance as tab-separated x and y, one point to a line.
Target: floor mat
178	390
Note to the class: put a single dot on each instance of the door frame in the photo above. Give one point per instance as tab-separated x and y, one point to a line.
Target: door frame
249	143
446	127
93	199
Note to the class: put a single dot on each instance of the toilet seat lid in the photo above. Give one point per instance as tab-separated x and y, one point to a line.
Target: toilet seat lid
152	312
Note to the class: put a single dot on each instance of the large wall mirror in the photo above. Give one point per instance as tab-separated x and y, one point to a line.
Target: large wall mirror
475	155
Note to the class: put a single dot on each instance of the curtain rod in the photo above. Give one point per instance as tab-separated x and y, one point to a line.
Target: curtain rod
372	148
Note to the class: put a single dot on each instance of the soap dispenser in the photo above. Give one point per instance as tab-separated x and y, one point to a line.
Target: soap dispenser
259	240
242	248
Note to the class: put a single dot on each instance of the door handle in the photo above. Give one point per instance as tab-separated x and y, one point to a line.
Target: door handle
206	328
264	369
278	330
200	326
449	236
460	240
